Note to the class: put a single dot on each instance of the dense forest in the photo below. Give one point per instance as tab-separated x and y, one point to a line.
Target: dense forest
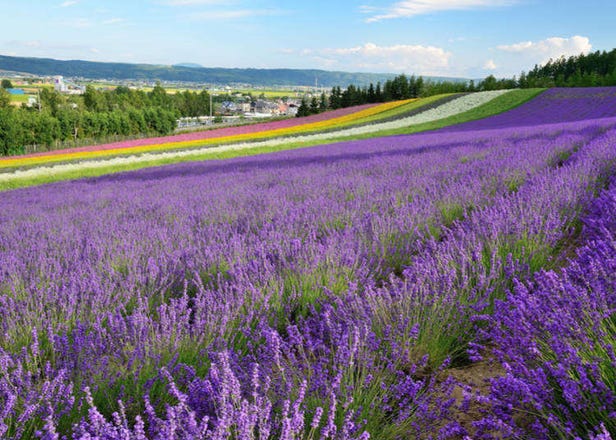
61	120
593	69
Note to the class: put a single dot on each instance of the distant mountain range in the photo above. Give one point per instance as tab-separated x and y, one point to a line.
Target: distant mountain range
189	72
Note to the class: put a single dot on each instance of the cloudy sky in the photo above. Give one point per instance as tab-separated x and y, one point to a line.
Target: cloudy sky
457	38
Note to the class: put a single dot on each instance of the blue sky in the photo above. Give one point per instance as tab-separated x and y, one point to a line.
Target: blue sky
457	38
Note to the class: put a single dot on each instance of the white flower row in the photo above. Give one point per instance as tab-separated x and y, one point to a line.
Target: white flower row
451	108
456	106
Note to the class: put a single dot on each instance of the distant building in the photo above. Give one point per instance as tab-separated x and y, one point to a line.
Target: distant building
62	87
228	107
59	85
292	109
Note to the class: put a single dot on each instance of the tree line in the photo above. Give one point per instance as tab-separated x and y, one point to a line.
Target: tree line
593	69
400	87
57	120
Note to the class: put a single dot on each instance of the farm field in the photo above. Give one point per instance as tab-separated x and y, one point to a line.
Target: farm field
450	283
344	124
268	93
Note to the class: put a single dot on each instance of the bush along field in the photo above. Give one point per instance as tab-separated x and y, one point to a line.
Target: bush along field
343	291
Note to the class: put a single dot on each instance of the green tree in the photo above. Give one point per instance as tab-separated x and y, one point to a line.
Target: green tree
46	129
323	103
314	106
489	83
204	103
371	93
335	98
5	98
6	84
378	94
69	121
303	109
9	127
94	99
51	100
159	98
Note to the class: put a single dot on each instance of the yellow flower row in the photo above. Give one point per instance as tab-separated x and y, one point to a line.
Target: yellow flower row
340	121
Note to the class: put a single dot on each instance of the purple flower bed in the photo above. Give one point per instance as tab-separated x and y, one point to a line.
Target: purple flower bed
556	336
312	293
553	106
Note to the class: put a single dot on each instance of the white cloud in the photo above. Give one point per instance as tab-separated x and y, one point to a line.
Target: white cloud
68	3
554	47
397	58
489	65
410	8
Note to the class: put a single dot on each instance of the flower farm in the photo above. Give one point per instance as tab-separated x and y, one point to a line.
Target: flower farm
449	284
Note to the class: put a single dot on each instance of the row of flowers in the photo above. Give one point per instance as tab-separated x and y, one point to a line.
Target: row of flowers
157	152
315	293
255	131
217	132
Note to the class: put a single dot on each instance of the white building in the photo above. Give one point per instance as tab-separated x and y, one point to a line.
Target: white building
59	85
72	89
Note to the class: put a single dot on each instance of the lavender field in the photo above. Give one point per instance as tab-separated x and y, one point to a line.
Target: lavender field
325	293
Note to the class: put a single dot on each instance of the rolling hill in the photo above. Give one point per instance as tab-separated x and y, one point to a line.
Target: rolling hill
187	72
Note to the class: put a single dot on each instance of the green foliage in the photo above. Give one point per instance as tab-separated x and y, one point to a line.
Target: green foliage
51	100
593	69
5	98
6	84
97	115
303	109
395	89
322	103
7	129
24	130
314	106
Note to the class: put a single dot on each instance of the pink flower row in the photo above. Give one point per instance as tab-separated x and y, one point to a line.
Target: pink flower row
209	134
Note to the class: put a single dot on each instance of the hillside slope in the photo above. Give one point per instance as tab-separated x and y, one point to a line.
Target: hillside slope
207	75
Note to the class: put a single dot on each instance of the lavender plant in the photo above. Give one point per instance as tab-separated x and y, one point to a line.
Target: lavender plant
316	293
556	337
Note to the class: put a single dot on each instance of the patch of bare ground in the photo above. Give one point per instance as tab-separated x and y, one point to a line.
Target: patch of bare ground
472	387
472	383
472	380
